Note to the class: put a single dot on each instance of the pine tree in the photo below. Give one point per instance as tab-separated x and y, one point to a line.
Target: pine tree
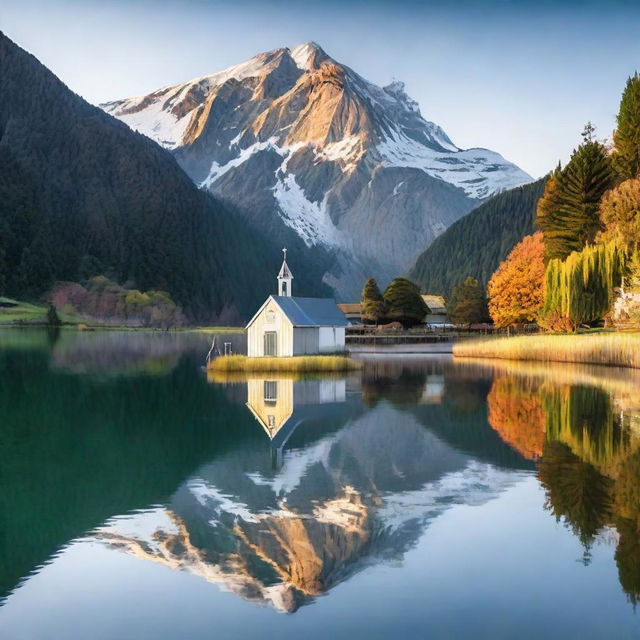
34	273
373	304
569	215
468	304
585	179
626	157
404	303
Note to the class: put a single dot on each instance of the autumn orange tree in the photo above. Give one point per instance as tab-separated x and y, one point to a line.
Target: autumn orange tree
517	414
517	289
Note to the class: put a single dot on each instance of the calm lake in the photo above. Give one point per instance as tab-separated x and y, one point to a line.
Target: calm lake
418	498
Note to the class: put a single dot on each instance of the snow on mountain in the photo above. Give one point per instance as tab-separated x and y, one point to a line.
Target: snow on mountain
300	142
478	172
164	114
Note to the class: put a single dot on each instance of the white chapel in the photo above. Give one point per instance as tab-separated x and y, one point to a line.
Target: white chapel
290	326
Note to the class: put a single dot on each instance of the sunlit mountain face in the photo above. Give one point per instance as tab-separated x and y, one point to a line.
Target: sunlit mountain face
306	148
156	493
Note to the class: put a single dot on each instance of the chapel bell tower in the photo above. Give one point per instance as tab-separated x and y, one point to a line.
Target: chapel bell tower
284	277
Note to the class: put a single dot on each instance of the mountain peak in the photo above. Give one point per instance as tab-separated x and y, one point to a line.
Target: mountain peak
396	88
309	55
295	135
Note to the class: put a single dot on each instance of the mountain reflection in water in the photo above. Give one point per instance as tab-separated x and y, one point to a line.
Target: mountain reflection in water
279	489
357	486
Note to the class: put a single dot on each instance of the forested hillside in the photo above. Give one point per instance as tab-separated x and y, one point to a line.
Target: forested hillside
476	244
81	195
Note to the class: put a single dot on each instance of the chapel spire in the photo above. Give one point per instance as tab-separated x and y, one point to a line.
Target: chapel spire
284	277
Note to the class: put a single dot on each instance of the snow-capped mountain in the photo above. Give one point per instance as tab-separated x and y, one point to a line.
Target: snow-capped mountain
299	142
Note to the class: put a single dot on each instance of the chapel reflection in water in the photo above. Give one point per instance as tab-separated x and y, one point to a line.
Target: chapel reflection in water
352	485
281	404
352	471
279	492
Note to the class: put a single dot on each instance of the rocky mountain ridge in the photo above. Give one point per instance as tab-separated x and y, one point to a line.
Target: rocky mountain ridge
306	148
82	195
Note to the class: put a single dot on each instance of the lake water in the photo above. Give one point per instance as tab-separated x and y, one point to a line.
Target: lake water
419	498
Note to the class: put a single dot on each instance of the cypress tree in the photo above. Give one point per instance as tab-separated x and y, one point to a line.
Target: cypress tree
373	304
547	216
626	138
404	303
569	216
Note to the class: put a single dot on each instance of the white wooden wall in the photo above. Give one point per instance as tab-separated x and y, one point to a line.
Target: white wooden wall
305	341
331	339
270	318
298	341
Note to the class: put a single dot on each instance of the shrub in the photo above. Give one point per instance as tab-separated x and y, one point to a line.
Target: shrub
404	303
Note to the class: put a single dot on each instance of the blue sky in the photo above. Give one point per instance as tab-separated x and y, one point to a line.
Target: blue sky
518	77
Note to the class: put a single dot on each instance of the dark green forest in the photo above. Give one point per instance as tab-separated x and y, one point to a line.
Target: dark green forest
476	244
83	195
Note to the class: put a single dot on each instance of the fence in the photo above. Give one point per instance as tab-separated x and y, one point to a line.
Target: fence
363	334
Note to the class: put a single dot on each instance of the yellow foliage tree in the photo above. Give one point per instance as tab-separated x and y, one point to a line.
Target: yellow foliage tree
517	289
620	213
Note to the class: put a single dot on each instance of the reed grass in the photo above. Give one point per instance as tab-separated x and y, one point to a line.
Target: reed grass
296	364
612	349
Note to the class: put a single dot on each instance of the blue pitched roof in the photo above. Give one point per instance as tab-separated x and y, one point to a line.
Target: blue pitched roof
311	312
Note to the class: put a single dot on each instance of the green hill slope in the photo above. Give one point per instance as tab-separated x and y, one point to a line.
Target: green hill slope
476	244
82	194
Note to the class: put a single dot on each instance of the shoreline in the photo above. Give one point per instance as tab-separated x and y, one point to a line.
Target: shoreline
87	327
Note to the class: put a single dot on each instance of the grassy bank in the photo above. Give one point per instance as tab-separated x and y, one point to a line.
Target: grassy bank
614	349
297	364
18	313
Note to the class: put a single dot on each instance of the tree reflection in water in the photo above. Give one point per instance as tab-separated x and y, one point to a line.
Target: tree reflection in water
587	446
122	436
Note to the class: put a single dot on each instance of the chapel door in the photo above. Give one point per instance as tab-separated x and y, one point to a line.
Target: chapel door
270	343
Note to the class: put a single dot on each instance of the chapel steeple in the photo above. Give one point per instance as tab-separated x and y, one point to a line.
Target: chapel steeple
284	277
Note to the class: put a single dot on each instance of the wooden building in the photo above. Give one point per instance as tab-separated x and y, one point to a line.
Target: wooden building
436	309
287	326
353	311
